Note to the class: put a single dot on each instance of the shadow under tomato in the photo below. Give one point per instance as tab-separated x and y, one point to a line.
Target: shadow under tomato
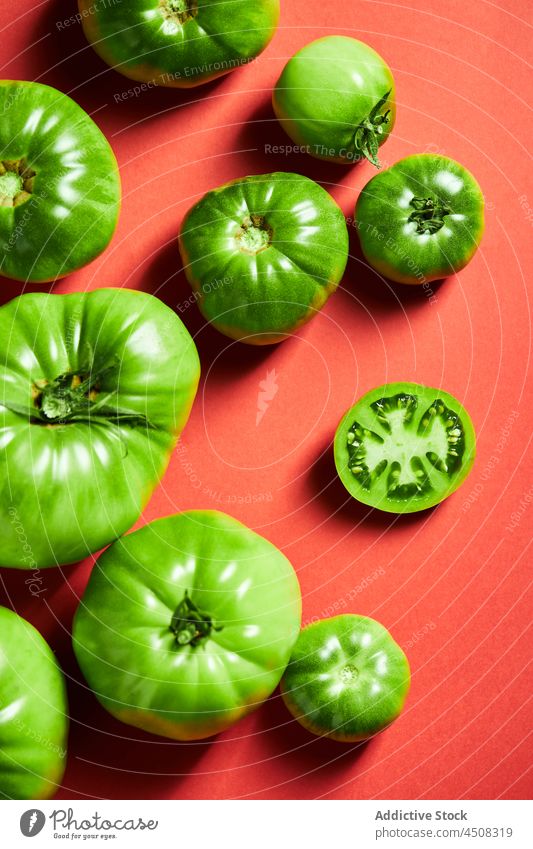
311	758
106	758
61	56
111	760
381	296
329	488
103	753
10	289
261	133
43	596
163	276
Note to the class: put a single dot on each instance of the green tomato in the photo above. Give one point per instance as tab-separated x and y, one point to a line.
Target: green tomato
96	388
263	254
33	712
404	447
347	678
187	624
180	43
420	220
59	184
336	98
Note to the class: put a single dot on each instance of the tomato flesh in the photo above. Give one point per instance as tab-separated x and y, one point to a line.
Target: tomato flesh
404	447
347	678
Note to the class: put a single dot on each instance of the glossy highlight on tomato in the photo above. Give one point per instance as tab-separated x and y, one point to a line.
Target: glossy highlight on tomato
187	624
96	388
263	254
59	184
347	678
178	43
33	712
420	220
336	98
404	447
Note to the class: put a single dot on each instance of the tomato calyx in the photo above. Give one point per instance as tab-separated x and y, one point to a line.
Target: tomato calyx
368	133
254	234
190	624
428	214
73	397
179	11
16	182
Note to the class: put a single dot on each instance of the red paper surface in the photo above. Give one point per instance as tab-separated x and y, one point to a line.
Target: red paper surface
451	584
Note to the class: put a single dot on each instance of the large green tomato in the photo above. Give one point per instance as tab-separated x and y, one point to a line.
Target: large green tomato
404	447
347	678
187	624
420	220
59	184
336	98
179	43
96	388
33	712
263	254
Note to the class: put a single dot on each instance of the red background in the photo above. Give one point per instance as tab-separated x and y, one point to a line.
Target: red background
451	583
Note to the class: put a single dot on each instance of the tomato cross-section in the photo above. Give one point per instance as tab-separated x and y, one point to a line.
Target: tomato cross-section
404	447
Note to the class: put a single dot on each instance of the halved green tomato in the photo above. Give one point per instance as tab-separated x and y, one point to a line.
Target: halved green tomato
187	624
180	43
404	447
347	678
59	184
